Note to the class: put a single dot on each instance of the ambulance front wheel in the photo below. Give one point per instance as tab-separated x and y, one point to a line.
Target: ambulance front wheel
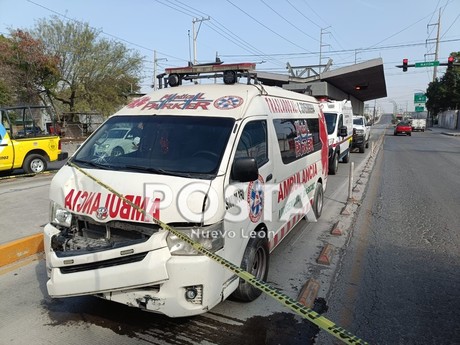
318	201
255	261
34	164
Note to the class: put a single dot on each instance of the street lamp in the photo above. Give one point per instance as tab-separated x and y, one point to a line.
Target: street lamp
395	106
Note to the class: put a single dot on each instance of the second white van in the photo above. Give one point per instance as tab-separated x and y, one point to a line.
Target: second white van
339	119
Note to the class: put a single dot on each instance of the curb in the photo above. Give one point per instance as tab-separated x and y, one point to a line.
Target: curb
325	257
309	293
452	134
20	249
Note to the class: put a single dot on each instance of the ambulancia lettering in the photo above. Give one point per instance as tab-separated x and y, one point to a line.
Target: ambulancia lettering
92	203
296	180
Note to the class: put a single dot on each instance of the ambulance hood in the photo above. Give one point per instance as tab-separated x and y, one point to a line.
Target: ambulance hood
168	198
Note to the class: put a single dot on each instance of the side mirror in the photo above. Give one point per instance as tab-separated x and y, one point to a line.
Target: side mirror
245	170
343	131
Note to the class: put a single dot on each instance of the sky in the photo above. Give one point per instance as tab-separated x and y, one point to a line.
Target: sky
270	33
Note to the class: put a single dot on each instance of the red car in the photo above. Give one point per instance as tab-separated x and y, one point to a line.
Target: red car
403	127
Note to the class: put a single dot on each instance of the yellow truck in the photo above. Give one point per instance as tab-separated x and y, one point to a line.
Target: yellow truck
27	139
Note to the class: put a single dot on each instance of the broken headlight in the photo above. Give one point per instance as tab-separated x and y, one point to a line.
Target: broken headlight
210	237
60	215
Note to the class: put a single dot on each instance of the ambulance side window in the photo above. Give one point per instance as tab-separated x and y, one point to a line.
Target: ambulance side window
297	138
340	121
253	142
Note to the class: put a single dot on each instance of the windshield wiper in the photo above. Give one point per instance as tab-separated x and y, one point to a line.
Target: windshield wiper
141	168
92	164
158	171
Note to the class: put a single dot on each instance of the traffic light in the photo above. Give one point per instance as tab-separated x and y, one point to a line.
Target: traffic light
405	61
450	62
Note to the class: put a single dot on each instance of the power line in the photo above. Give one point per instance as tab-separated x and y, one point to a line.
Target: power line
223	31
216	26
265	26
300	12
396	46
397	33
287	21
102	31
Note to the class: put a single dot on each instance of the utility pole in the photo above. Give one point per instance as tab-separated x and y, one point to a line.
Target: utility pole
436	53
195	34
373	114
155	66
321	45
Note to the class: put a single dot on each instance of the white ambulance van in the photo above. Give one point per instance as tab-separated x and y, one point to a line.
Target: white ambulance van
339	119
234	166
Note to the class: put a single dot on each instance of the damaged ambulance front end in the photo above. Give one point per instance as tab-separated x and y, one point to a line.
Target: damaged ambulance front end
97	244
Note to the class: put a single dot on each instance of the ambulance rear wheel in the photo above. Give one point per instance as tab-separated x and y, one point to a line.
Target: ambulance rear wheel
334	166
346	158
34	164
255	261
318	201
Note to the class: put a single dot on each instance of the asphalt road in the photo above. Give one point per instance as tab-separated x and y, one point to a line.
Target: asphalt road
399	282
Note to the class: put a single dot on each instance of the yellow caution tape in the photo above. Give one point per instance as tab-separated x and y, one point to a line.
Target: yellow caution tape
287	301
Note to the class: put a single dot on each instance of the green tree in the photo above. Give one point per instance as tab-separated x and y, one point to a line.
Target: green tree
96	73
444	93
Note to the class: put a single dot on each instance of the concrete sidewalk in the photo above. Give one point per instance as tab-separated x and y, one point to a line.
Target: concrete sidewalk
445	131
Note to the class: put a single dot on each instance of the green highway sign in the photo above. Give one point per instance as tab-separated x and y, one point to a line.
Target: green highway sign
427	64
419	109
419	98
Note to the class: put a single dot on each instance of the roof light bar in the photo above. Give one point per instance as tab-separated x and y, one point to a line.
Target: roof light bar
212	68
228	72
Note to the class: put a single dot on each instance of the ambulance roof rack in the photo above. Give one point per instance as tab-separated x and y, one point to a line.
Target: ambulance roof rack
228	72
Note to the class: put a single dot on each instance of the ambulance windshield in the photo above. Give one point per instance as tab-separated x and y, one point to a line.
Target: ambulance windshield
170	145
331	119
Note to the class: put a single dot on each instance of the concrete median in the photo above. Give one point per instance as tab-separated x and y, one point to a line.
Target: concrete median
20	249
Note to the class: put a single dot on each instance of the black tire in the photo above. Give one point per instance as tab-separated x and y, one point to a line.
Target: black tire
117	151
318	200
255	261
334	166
34	164
346	158
367	144
409	134
362	148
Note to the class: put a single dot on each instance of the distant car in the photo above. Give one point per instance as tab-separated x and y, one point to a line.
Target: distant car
418	125
403	127
361	133
116	142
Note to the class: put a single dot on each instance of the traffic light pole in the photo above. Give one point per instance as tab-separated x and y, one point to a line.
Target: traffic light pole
449	64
